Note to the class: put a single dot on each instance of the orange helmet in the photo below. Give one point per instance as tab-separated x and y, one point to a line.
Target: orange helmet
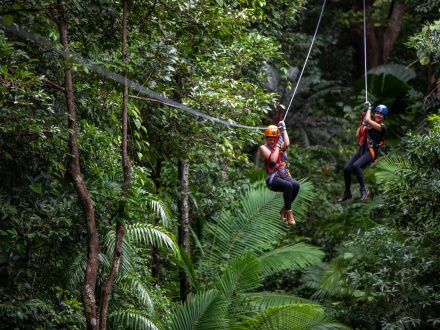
271	131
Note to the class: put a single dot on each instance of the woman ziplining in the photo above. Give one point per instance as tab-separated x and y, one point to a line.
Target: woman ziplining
371	134
278	177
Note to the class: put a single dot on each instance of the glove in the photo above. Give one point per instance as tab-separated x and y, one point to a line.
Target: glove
282	126
367	105
280	142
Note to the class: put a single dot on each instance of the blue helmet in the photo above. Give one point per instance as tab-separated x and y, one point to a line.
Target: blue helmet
382	109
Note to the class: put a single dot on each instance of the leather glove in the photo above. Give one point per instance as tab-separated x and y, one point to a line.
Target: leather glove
280	142
367	106
282	126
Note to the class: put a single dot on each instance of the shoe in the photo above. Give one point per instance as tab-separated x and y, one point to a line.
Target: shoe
345	197
290	219
364	194
283	214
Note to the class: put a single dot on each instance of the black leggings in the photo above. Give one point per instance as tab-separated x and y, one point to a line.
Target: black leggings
288	186
359	160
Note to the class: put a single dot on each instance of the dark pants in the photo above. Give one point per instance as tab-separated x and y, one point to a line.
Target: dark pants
288	186
359	160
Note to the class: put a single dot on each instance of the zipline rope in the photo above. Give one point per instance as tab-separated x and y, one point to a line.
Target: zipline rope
47	45
365	54
305	62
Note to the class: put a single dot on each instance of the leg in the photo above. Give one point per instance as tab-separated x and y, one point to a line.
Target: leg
347	176
349	168
365	159
290	189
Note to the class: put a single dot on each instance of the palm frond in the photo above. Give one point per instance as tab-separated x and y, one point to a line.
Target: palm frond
138	288
147	234
129	251
255	227
300	205
295	317
186	264
130	319
202	311
292	257
77	269
263	300
240	276
389	165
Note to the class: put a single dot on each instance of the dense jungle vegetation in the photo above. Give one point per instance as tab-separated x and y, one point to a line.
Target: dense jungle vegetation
132	194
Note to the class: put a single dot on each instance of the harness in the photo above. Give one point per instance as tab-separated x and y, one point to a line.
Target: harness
276	169
373	145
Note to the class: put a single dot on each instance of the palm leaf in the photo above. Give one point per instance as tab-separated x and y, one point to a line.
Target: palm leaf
255	227
128	254
240	276
188	267
147	234
200	312
294	317
388	166
264	300
130	319
138	288
300	205
292	257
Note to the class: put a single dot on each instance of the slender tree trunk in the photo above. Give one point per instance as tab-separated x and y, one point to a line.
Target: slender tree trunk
184	222
380	40
120	226
394	26
75	174
155	264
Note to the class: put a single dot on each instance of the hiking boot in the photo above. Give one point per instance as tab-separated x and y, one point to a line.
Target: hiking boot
347	195
290	219
364	194
283	214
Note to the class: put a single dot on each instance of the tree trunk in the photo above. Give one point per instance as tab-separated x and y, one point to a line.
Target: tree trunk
184	222
395	22
74	170
120	226
379	39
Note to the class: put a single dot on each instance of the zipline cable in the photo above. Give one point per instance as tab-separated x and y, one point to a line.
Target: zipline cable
365	54
47	45
305	62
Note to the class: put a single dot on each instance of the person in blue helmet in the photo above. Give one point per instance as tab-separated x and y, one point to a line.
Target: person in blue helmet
371	134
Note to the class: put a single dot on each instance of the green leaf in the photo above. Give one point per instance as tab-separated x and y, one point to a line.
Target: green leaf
36	187
8	19
424	60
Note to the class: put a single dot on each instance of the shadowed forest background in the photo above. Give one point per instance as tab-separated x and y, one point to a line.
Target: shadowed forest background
121	208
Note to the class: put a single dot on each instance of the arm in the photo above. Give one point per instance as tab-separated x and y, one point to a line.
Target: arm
265	152
372	123
284	135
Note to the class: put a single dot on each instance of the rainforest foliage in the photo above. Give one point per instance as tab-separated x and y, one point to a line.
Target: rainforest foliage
131	188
